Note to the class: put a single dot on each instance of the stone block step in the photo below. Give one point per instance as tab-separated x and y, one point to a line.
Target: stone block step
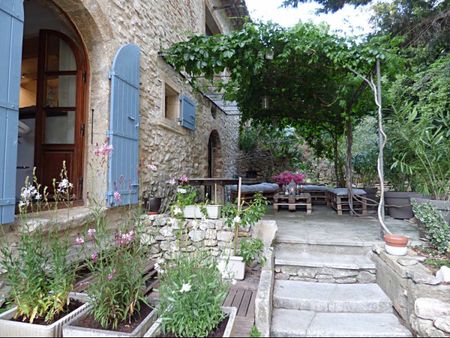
324	247
295	323
289	256
330	297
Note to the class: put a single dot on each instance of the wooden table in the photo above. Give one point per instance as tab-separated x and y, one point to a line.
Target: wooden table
292	201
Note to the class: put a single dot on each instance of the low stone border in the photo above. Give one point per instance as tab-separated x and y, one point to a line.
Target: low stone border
417	295
325	275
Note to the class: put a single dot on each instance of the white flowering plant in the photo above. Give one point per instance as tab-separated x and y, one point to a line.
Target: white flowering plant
191	294
246	215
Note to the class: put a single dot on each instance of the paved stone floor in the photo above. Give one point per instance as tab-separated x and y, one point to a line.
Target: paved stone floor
325	226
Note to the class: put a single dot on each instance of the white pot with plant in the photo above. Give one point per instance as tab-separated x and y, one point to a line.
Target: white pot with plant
236	216
185	205
118	306
38	271
191	294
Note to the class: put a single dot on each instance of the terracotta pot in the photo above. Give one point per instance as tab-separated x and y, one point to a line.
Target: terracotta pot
396	240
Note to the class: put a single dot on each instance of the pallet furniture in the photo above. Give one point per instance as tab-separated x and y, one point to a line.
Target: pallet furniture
293	201
248	191
318	192
337	199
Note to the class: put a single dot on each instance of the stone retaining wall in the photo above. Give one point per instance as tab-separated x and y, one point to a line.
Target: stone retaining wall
417	295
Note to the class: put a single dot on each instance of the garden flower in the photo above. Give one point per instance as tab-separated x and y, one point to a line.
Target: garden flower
172	181
111	275
186	287
103	150
152	167
237	219
64	185
177	210
117	196
94	256
181	190
91	233
183	179
79	240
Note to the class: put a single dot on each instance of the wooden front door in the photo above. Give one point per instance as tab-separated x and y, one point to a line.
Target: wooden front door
60	121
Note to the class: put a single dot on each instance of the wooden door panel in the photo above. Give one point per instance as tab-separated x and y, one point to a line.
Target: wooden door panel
54	159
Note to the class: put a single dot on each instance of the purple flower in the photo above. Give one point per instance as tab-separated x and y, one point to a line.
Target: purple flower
91	233
184	179
79	240
117	196
111	275
94	256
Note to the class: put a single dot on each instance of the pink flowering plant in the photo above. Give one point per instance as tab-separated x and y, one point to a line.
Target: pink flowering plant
285	177
116	261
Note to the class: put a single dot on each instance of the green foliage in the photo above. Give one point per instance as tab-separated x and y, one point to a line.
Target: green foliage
436	228
437	262
191	293
251	250
254	332
39	275
248	139
419	129
328	5
116	263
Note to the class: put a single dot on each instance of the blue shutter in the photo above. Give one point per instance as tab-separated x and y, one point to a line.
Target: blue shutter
124	126
11	35
187	113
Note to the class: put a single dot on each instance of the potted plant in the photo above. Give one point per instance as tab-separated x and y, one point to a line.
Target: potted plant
396	245
286	177
185	203
41	279
251	250
118	306
244	214
191	294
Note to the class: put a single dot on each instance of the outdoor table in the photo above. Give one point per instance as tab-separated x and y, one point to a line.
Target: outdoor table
292	201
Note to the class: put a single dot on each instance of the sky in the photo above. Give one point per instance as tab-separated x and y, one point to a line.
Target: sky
348	21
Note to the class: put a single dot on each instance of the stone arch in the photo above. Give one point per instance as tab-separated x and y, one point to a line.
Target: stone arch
215	159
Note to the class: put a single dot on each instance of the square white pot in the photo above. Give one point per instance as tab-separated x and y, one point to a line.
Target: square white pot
155	330
72	330
190	211
194	211
213	211
232	267
10	328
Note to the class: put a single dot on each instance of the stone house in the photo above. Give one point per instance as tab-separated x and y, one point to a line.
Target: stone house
78	73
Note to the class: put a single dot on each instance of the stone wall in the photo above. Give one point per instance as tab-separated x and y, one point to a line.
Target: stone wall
104	26
418	296
166	235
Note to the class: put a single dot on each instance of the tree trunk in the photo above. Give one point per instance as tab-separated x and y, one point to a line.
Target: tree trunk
336	159
348	163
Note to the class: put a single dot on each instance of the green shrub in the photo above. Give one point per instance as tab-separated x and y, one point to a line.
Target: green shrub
436	228
191	294
251	250
254	332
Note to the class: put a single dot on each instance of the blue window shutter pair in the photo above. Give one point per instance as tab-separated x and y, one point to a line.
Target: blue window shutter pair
11	36
124	118
187	113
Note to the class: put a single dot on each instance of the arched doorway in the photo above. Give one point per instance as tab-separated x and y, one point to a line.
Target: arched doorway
215	164
52	98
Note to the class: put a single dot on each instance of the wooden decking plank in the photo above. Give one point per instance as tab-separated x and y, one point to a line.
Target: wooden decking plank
230	297
242	310
238	298
251	308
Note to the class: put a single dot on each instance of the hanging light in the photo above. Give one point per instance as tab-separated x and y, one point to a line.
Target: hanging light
265	102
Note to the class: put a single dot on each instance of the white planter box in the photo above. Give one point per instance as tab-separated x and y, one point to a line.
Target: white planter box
396	250
155	330
72	330
232	267
194	211
10	328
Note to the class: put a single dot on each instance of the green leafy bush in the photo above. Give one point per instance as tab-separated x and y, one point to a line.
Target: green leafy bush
254	332
191	294
436	228
117	263
39	275
251	250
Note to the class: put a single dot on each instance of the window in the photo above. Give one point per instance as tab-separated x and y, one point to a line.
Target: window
211	26
171	103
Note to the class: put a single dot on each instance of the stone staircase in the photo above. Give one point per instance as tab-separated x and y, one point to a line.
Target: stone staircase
329	290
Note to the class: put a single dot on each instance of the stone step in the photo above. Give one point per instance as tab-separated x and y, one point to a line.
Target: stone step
330	297
289	255
296	323
341	248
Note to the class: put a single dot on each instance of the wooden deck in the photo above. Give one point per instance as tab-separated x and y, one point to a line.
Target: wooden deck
244	301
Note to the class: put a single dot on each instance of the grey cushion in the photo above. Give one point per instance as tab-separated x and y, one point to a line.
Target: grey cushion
344	191
314	187
261	187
